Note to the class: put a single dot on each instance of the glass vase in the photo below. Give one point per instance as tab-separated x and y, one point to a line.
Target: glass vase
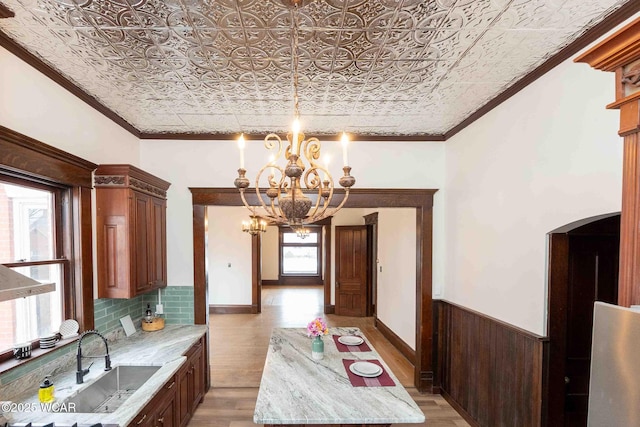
317	348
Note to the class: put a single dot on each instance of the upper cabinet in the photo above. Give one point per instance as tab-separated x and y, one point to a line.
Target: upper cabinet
131	231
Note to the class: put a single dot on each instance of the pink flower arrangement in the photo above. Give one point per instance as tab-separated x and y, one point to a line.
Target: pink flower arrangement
317	327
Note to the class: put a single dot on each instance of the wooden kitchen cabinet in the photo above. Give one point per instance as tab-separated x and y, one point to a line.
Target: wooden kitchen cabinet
191	382
131	231
162	410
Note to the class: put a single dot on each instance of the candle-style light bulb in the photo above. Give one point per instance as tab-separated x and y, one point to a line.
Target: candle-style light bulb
295	130
241	145
326	159
345	143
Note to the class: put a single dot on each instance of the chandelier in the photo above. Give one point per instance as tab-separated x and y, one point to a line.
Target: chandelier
254	226
295	194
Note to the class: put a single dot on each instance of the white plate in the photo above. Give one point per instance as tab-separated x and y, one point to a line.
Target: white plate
365	369
350	340
69	328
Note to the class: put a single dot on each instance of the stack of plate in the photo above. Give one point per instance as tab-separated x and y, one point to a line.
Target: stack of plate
69	328
365	369
350	340
48	341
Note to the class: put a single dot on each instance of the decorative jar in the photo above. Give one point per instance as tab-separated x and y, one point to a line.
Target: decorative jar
317	348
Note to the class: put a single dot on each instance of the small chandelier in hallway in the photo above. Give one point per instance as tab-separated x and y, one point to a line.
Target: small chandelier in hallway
284	200
254	226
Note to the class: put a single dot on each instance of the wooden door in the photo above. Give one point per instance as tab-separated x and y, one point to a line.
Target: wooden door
593	276
351	271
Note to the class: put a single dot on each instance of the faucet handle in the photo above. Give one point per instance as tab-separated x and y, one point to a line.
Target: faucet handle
86	371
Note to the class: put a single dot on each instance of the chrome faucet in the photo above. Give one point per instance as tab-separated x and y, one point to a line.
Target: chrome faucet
80	373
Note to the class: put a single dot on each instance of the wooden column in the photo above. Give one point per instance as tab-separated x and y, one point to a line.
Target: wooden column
620	54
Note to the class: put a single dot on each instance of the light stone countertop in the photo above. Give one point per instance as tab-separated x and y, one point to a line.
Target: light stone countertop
295	389
159	348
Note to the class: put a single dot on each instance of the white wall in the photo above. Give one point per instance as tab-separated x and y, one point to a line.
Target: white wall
269	251
396	297
214	164
229	256
548	156
32	104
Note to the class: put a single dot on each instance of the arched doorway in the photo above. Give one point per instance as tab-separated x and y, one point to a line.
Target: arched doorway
582	269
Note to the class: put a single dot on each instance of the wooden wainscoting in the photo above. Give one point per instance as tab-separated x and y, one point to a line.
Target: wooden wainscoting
490	371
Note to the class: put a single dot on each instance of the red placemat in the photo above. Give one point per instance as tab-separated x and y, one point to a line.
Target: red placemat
351	348
383	380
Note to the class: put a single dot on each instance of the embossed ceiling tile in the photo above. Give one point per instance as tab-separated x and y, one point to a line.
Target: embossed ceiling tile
475	15
451	45
219	122
535	14
274	122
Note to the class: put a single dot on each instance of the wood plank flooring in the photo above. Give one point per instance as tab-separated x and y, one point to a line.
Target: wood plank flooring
238	347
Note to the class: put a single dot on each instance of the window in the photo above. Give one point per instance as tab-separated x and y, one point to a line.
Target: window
30	243
300	257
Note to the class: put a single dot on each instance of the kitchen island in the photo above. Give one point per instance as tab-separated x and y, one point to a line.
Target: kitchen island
296	389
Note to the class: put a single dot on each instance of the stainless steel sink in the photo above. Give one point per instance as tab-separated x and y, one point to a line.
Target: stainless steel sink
111	390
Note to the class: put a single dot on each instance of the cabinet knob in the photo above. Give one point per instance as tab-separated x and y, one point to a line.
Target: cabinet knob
161	420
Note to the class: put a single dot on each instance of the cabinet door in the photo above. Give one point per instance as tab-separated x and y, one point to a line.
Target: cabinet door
141	213
197	373
158	243
166	414
184	396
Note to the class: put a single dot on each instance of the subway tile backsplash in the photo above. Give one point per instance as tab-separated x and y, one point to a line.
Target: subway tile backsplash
178	309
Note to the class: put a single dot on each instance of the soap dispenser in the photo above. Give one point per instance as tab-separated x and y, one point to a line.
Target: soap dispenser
148	315
45	394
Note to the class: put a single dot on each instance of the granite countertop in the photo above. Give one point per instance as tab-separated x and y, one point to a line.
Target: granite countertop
295	389
162	348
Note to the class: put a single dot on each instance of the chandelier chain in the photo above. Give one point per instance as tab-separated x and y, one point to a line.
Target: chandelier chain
294	54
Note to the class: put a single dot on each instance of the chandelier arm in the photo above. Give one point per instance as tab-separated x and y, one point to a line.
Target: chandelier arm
325	205
337	208
269	144
269	210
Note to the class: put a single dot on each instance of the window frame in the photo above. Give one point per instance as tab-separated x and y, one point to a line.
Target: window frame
299	279
28	162
58	207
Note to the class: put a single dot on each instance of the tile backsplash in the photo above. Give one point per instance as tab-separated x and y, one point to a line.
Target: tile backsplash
178	309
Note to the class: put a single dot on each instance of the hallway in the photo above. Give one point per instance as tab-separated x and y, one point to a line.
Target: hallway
238	346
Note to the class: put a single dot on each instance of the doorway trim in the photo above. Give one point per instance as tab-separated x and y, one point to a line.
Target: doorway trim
558	283
420	199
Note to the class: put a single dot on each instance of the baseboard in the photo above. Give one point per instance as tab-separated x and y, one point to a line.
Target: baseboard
396	341
459	409
329	309
270	282
230	309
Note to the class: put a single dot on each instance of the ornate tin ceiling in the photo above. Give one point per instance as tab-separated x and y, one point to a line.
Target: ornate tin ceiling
377	67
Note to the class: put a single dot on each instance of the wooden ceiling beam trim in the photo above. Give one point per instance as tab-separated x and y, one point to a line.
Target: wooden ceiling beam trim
57	77
5	12
352	137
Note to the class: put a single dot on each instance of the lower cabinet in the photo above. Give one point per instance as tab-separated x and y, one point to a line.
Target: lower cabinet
191	382
174	405
162	410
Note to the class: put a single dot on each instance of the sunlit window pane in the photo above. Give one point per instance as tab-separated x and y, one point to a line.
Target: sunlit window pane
311	238
300	260
26	230
27	319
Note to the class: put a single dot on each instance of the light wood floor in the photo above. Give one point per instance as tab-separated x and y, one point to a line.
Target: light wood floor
238	347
